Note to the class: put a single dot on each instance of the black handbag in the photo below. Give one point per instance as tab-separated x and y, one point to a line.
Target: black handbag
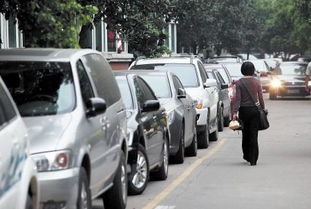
263	114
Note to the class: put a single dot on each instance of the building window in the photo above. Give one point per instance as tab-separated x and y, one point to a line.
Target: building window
86	41
111	41
99	35
173	33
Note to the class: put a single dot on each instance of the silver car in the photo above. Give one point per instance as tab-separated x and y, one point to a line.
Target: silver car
72	107
180	109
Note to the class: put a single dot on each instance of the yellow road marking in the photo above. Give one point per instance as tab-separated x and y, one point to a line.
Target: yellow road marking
153	203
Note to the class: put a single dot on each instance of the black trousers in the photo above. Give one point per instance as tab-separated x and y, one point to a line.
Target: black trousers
250	119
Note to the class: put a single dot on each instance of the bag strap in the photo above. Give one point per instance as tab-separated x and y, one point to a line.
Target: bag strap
256	102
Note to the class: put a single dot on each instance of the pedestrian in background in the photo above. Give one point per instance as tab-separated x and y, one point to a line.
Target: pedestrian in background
246	110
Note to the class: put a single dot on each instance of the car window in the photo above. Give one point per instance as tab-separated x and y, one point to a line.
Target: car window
147	91
177	83
159	84
125	92
293	69
103	78
85	85
210	75
40	88
184	71
7	111
219	77
202	72
139	93
234	69
224	75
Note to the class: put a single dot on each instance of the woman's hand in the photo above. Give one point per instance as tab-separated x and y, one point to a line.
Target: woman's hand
234	116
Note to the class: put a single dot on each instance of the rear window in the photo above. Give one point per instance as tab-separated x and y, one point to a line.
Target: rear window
293	69
159	84
185	72
125	92
234	69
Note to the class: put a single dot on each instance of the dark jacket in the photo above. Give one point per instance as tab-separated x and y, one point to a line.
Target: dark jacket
243	99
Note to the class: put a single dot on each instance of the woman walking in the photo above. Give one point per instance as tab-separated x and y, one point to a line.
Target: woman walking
248	112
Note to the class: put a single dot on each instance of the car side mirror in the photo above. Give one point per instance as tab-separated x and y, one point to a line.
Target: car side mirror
95	106
181	93
224	86
151	105
210	83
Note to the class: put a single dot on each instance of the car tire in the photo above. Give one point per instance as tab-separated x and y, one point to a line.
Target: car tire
214	136
272	95
116	197
179	157
84	192
162	172
192	150
221	120
203	137
29	202
139	171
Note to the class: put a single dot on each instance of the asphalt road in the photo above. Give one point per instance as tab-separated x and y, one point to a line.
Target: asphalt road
219	178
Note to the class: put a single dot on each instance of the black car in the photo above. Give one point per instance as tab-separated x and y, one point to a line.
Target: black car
224	104
288	79
148	140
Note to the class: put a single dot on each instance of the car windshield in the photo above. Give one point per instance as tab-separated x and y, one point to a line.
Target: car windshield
234	69
159	84
184	71
293	69
125	92
260	66
40	88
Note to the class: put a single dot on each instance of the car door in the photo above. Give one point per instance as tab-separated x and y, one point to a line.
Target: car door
13	149
153	133
189	110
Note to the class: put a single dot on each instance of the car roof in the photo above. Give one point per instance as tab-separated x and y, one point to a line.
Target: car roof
40	54
293	63
212	66
166	60
139	72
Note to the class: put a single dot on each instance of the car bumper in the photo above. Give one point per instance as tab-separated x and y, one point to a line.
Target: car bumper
202	116
59	189
291	91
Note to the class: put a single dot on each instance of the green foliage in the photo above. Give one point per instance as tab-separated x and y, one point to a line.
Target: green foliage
49	23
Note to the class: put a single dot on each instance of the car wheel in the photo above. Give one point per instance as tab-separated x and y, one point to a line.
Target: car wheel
272	95
29	203
203	137
214	136
180	155
221	120
193	148
116	197
162	172
84	192
139	176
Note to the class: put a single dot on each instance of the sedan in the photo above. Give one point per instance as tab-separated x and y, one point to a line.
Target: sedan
180	109
147	132
289	80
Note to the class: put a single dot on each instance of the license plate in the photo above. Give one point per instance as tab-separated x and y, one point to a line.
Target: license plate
293	91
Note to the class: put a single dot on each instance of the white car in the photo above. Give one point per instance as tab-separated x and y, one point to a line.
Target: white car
190	71
18	176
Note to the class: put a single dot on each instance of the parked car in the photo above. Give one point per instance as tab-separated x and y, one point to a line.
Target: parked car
224	104
147	129
289	80
191	72
263	70
72	107
227	58
180	109
234	70
19	187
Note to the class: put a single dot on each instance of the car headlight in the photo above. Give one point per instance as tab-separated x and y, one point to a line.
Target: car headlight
52	161
170	116
276	83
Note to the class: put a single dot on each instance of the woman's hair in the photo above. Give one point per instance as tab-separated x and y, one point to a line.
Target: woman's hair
248	68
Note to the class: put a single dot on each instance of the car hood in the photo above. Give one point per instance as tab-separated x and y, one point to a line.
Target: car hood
167	103
196	93
45	132
291	78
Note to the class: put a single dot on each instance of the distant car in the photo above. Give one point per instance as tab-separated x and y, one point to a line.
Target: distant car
289	80
147	129
191	72
262	69
224	105
72	107
19	187
180	109
227	58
